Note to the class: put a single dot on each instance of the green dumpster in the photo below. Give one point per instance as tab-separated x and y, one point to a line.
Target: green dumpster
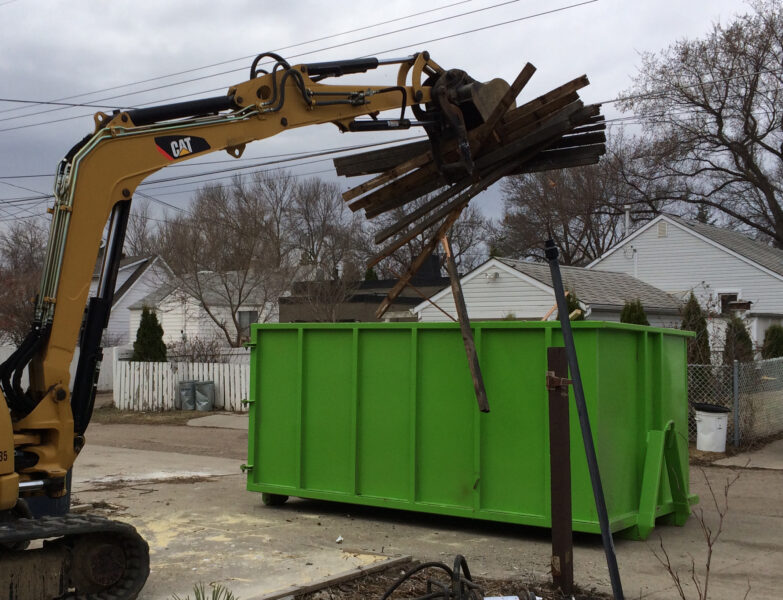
384	414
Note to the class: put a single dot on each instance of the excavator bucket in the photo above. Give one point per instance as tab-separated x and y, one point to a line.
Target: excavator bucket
477	136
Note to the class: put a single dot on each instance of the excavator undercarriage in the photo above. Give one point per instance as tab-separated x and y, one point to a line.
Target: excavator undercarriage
80	556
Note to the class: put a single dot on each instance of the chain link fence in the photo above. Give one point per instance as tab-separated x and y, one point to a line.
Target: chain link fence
752	391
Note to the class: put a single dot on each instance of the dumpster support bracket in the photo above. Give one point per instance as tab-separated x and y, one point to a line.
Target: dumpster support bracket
662	448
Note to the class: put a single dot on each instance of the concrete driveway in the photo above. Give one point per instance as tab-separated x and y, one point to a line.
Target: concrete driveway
202	525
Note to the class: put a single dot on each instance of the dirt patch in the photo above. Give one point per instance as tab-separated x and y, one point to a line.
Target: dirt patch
756	444
373	586
700	458
137	484
113	416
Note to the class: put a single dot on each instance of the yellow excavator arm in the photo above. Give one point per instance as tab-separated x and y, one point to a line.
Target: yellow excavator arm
42	432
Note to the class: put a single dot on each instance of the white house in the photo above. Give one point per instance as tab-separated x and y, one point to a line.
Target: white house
184	317
137	277
724	269
503	288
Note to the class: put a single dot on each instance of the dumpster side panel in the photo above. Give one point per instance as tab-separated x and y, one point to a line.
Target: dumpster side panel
445	470
274	439
384	425
328	410
620	428
514	435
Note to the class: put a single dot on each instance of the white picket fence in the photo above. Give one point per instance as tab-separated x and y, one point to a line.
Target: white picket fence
148	386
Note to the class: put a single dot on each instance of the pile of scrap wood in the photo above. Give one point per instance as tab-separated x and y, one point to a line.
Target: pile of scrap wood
554	131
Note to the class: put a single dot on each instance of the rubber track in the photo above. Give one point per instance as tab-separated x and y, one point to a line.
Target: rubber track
72	526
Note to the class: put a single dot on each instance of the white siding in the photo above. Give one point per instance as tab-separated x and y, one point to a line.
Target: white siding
118	330
490	297
181	315
681	262
178	315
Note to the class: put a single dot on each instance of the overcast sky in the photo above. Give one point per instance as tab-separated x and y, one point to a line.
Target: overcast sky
97	51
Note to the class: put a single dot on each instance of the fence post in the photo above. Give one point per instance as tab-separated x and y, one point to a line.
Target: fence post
736	403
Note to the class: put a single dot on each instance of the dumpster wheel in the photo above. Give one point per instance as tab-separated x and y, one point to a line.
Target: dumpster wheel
273	499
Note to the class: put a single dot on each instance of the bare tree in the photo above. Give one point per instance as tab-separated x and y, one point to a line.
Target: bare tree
325	233
332	245
208	349
711	110
140	238
22	250
277	191
224	255
581	209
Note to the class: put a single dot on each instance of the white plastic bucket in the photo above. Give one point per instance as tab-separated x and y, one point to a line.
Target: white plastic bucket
711	430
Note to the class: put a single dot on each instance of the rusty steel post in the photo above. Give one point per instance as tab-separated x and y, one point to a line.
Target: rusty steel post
560	470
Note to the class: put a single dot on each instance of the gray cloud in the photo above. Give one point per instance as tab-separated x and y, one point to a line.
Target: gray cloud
54	49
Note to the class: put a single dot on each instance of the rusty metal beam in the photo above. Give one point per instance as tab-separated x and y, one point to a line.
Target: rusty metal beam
560	471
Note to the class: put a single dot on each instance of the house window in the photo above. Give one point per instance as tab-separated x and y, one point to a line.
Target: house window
246	318
663	230
725	300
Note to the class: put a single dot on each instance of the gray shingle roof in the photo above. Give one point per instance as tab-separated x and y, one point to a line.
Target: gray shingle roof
124	262
759	252
600	288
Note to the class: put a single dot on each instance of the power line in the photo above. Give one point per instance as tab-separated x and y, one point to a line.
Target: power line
299	156
229	61
22	218
66	104
417	44
40	195
286	157
148	197
189	164
279	50
34	201
664	90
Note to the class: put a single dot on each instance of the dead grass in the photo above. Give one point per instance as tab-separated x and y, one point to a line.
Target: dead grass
700	458
113	416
